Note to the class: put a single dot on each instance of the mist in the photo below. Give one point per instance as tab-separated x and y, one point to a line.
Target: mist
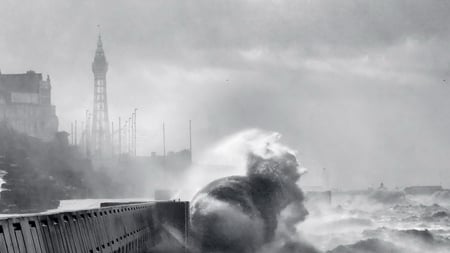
358	88
359	91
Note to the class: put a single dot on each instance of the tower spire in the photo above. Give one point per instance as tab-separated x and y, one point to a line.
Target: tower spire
99	40
99	52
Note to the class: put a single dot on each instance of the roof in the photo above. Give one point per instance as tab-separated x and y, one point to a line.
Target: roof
28	82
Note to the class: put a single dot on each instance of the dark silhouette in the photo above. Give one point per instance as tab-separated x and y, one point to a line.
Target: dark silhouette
239	213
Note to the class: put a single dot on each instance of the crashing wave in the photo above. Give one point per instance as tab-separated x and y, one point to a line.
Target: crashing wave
369	246
387	196
442	196
413	239
241	213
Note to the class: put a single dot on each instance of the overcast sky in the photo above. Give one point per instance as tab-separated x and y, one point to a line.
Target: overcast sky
359	87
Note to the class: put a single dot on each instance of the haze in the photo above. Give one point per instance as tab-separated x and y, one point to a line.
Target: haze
359	87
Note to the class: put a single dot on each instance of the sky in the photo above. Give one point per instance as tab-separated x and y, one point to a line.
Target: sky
361	88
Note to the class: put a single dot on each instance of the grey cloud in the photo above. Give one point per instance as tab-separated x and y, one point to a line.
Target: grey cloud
356	86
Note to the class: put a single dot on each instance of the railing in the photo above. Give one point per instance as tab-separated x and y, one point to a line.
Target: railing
121	228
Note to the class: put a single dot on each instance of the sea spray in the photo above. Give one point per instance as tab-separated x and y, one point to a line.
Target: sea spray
228	157
242	213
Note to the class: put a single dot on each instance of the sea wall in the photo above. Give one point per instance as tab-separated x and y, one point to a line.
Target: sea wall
137	227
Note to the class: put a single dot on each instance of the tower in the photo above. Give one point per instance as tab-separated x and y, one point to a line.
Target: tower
100	119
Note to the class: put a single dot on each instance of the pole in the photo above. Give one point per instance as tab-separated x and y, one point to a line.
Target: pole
164	141
76	137
130	138
82	139
135	131
132	133
125	127
112	137
190	139
120	137
87	142
71	133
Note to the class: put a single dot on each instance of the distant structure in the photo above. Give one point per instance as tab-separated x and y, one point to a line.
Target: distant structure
100	135
25	104
423	189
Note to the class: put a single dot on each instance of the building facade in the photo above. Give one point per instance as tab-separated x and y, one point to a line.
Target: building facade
25	104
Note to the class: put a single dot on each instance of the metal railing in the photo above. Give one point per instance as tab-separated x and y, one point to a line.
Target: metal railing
137	227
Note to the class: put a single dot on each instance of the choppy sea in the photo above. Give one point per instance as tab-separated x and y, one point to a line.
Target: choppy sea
379	223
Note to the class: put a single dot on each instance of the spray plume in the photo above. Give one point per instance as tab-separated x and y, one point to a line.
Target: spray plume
257	208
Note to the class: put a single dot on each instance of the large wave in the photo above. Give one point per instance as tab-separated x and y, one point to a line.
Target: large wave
252	203
255	212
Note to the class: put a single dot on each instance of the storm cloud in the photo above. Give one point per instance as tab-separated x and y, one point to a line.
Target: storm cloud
359	87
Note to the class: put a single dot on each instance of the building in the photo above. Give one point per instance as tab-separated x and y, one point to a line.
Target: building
25	104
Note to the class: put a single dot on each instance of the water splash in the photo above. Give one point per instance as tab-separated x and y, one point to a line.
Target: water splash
229	157
241	211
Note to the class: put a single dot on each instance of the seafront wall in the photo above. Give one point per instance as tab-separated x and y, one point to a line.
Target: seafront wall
137	227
